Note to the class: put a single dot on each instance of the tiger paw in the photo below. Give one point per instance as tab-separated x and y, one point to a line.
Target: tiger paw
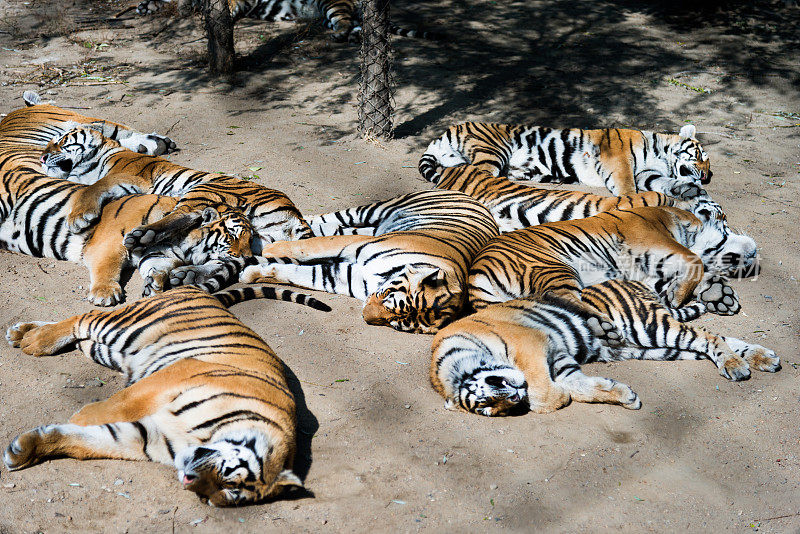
627	397
155	144
139	238
15	333
154	283
735	368
257	273
605	330
22	452
686	190
188	275
106	294
79	221
762	359
719	297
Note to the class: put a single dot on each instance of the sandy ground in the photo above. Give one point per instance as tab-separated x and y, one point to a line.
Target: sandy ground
379	452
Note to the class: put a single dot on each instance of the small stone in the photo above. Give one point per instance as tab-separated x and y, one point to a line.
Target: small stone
119	482
493	487
407	406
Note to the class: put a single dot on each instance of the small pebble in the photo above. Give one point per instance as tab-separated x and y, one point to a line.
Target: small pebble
493	487
407	406
119	482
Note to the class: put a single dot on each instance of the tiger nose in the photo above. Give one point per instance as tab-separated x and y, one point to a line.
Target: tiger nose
42	159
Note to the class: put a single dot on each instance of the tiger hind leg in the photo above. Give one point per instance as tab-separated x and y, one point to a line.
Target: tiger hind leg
138	440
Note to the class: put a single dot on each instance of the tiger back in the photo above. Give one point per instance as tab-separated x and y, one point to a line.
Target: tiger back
410	268
653	245
204	393
623	161
85	155
516	206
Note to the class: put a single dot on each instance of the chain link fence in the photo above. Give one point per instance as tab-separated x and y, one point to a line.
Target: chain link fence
376	91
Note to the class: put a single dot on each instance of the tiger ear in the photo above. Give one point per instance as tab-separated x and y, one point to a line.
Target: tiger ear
210	215
688	131
431	276
287	478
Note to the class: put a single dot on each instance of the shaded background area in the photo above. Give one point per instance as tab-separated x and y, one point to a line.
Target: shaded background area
380	451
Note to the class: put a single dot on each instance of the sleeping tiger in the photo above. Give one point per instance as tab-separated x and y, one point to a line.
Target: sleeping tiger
204	393
342	16
85	155
623	161
664	247
33	214
24	132
530	351
410	268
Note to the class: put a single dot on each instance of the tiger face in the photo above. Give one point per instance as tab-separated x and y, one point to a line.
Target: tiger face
689	161
416	300
490	392
722	250
63	156
222	236
232	471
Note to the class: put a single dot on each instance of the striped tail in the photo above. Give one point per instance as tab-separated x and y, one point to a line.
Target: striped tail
234	296
429	168
31	98
690	312
414	34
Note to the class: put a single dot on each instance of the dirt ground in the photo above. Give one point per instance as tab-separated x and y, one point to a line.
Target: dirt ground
378	450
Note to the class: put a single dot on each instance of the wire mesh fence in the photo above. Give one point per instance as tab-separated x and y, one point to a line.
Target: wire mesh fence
376	91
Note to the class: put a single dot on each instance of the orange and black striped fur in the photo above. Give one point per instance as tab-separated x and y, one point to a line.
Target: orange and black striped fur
205	394
623	161
25	132
87	156
516	206
529	352
410	268
33	221
342	16
653	245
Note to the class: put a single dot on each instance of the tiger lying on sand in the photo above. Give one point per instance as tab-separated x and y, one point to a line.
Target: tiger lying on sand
529	352
204	393
410	268
35	209
85	155
622	161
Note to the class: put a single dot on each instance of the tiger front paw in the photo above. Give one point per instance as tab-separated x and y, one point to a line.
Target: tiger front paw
22	452
106	294
735	368
139	238
155	283
156	145
686	190
719	297
79	220
15	333
762	359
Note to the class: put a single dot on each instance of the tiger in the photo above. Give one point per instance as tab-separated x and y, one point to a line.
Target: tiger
33	214
409	265
515	206
25	131
341	16
203	393
622	161
86	155
666	247
529	351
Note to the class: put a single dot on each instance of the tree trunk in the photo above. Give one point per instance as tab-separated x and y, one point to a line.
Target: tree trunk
375	94
219	27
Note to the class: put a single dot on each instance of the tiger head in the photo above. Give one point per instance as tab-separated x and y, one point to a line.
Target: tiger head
689	162
415	300
491	391
242	468
72	152
722	250
221	236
